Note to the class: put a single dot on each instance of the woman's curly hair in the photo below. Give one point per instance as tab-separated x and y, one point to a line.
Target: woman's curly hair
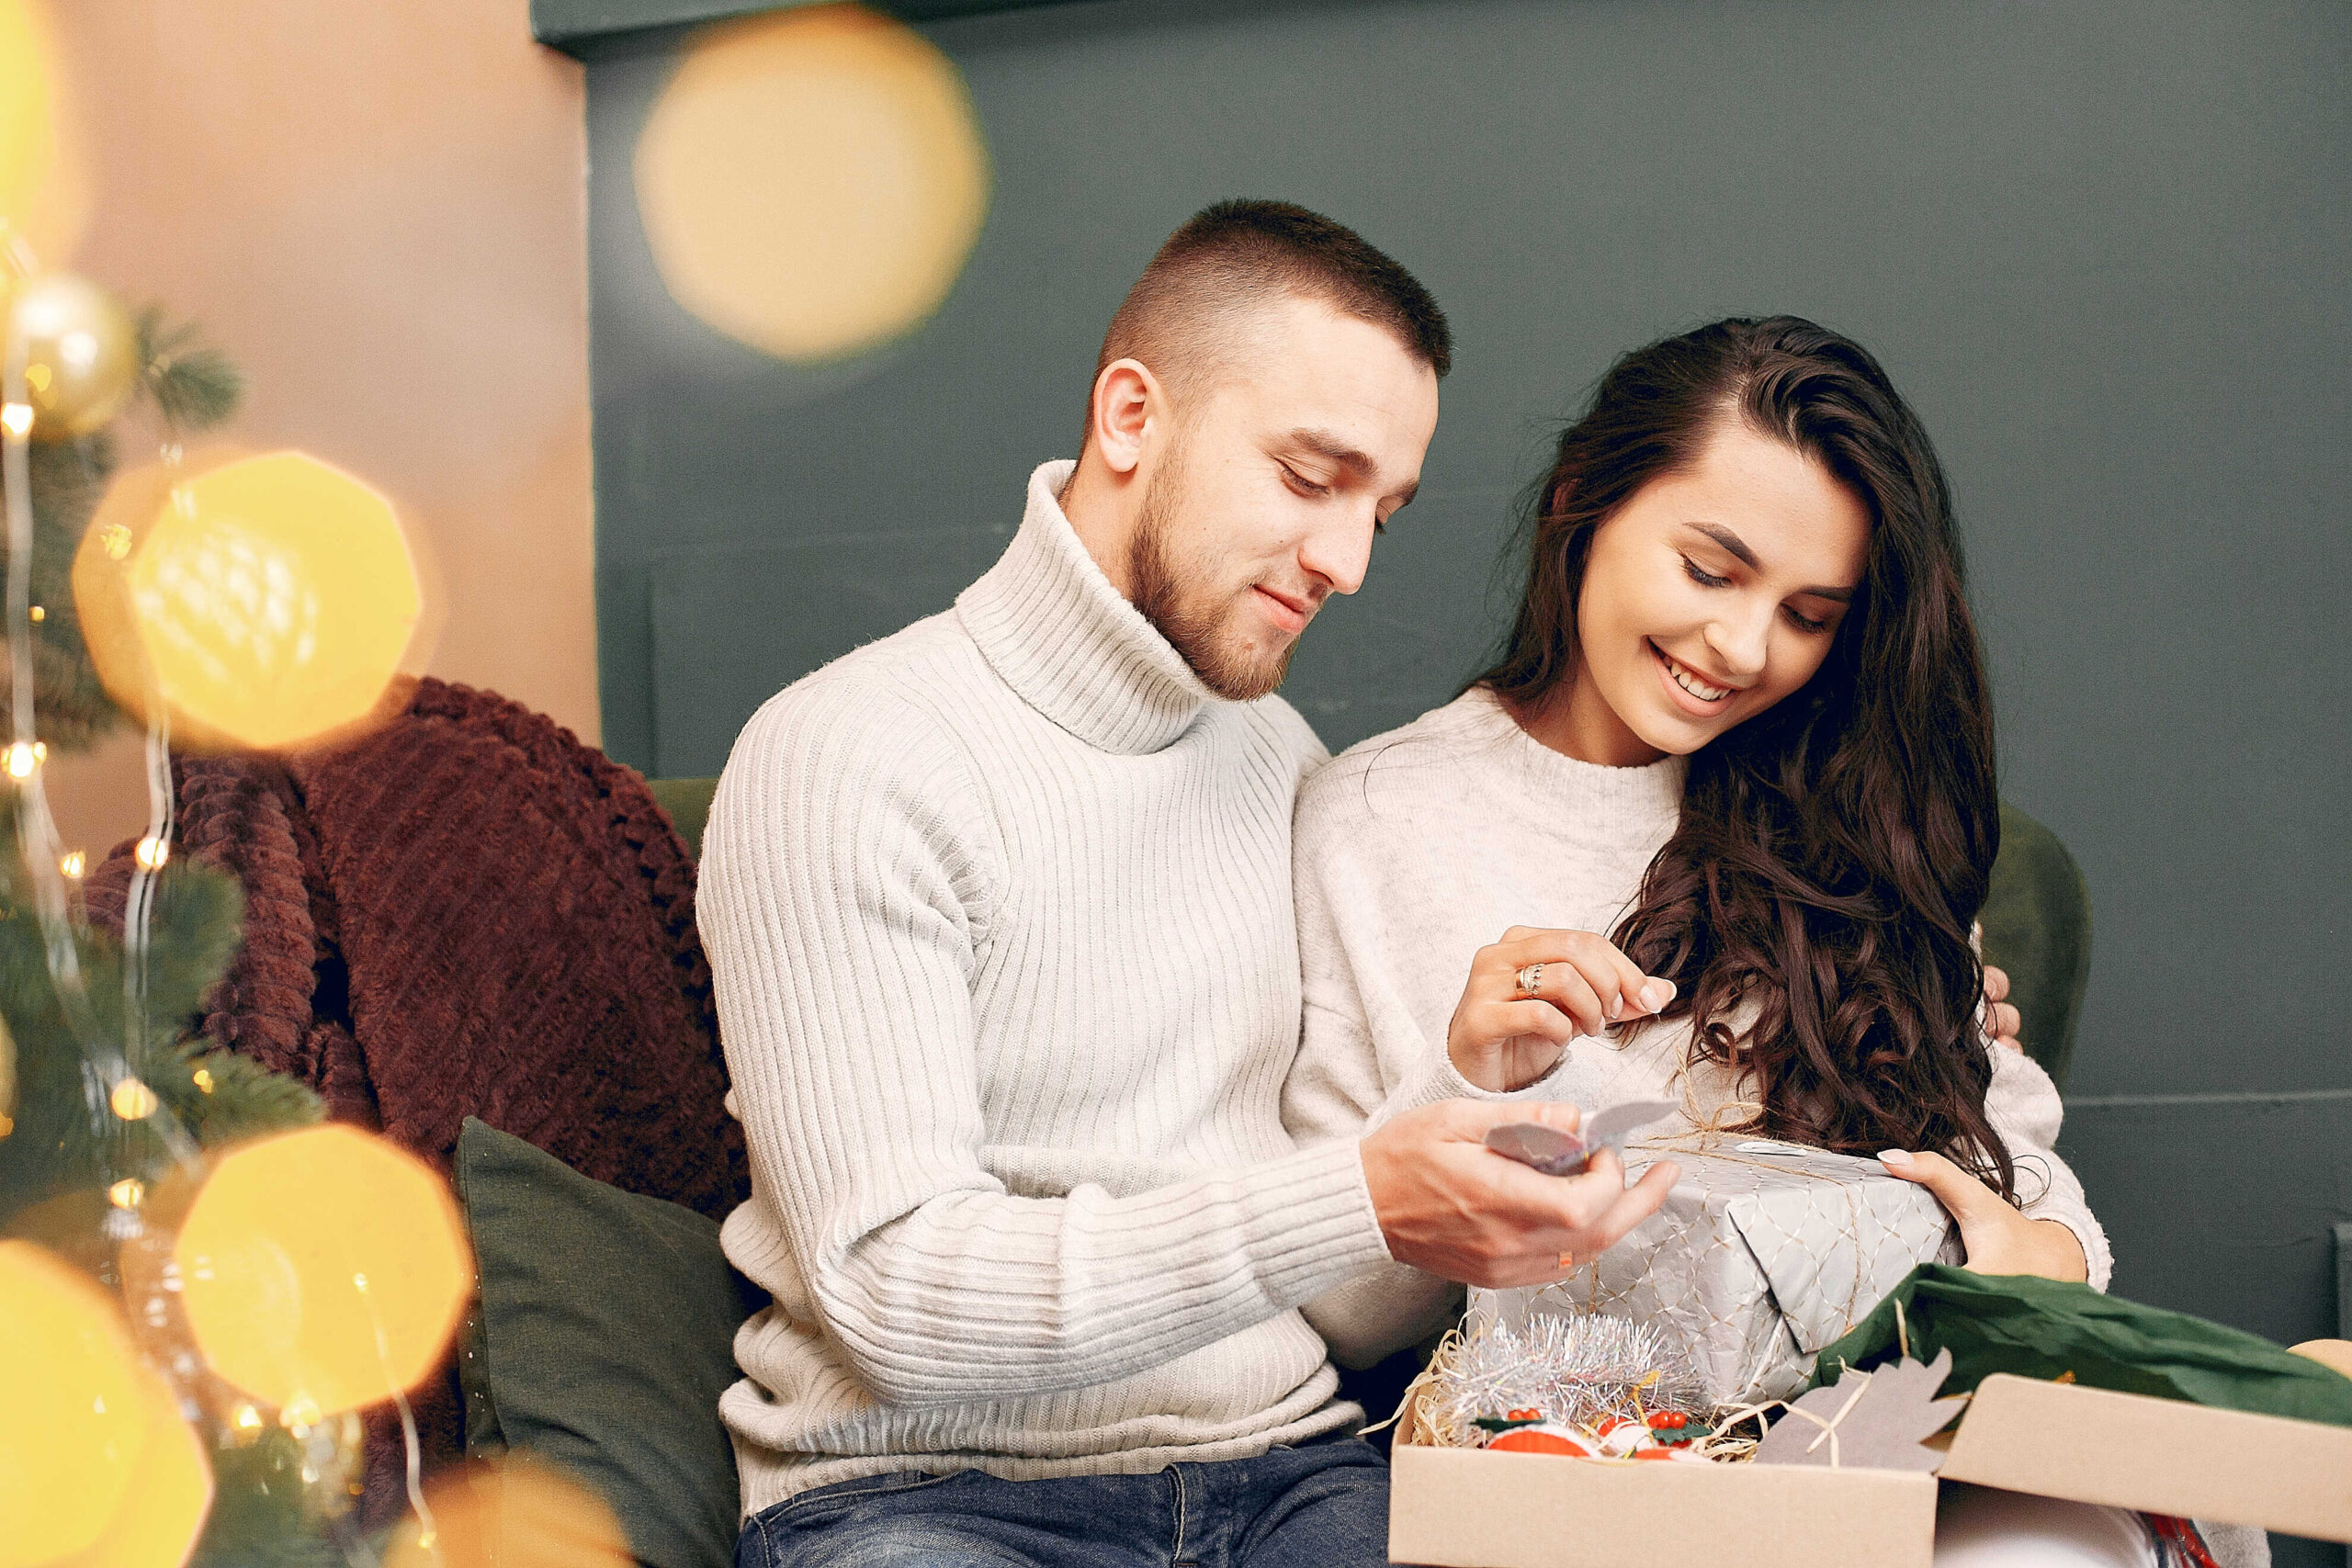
1834	850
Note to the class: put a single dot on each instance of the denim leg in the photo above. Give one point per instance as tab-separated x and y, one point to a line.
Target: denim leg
1323	1505
968	1519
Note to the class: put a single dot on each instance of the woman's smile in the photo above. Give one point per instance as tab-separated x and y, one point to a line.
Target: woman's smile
1692	691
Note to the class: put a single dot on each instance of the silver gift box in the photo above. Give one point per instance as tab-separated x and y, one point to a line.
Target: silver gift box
1762	1254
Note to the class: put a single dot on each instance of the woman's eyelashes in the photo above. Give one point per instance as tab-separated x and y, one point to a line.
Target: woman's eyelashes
1706	579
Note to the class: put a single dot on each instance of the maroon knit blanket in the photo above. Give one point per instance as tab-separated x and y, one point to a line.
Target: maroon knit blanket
466	912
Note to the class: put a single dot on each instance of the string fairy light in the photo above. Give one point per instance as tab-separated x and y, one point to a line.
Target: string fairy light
133	1101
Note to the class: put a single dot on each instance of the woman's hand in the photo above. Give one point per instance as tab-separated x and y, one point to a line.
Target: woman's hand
1504	1037
2001	1019
1999	1239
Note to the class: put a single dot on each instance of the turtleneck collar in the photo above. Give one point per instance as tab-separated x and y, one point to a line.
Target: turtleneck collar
1049	622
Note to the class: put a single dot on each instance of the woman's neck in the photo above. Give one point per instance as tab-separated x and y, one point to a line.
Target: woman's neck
1577	721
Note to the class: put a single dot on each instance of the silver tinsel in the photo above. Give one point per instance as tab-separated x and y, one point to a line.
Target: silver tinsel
1577	1369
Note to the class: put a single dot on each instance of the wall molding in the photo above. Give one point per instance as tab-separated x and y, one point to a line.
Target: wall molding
576	26
2221	1097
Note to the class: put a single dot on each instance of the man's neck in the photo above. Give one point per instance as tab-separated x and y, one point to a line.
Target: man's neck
1096	503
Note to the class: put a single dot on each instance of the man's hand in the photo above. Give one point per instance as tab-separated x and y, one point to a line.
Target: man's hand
1504	1037
1450	1205
1999	1239
2001	1021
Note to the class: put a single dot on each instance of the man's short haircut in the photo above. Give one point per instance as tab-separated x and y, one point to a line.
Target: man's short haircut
1228	258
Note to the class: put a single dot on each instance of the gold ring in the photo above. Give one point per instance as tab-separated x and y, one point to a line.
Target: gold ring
1530	981
1567	1260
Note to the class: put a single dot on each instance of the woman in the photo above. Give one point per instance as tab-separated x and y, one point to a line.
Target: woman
1726	800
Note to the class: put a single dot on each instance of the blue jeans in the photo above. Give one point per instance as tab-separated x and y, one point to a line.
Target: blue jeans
1322	1504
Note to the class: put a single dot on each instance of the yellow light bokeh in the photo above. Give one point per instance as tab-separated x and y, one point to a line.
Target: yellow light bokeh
169	1493
324	1267
267	600
72	1420
133	1101
27	129
511	1513
811	182
44	188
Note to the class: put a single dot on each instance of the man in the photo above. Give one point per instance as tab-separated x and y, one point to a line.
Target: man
999	910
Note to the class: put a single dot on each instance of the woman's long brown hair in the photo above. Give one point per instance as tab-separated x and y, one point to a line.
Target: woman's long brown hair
1834	850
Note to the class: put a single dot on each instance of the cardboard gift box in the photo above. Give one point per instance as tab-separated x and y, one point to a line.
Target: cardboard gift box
1480	1509
1763	1253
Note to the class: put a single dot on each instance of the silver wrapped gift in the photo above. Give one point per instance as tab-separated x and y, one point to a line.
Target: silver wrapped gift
1762	1254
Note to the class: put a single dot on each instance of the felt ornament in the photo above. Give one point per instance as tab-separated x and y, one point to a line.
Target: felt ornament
1873	1420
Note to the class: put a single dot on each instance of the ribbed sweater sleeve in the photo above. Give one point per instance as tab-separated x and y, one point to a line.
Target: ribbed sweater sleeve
2023	1106
848	890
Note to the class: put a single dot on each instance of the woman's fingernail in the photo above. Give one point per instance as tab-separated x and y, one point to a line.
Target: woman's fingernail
1616	1006
1895	1157
1656	994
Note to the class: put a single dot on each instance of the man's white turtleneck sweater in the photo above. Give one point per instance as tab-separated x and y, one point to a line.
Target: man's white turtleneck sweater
998	913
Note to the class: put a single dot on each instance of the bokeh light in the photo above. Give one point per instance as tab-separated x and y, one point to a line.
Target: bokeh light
322	1270
169	1492
512	1513
811	182
27	133
44	195
267	600
73	1417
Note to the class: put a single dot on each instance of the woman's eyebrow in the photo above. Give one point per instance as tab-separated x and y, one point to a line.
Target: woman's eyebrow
1738	546
1731	542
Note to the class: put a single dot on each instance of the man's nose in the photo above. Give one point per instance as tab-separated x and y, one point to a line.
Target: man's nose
1338	557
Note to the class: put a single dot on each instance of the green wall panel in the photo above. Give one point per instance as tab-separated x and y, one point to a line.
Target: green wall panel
2102	247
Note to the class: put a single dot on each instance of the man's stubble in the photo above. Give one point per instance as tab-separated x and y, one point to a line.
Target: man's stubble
1184	607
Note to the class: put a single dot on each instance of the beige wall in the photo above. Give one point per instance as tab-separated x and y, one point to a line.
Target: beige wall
378	210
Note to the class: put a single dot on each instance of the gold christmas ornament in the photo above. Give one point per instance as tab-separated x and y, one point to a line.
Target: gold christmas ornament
811	182
81	354
73	1417
322	1270
266	601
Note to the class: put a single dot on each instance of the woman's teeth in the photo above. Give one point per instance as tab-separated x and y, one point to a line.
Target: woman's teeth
1691	683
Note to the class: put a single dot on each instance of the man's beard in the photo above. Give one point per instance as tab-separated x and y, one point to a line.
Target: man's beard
1193	623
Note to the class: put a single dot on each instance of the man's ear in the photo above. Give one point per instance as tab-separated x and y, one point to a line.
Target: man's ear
1127	398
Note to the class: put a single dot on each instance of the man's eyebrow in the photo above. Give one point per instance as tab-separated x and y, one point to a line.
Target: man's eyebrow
1738	546
1334	450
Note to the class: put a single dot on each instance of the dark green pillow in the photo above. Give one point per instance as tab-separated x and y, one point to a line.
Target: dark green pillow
604	1334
